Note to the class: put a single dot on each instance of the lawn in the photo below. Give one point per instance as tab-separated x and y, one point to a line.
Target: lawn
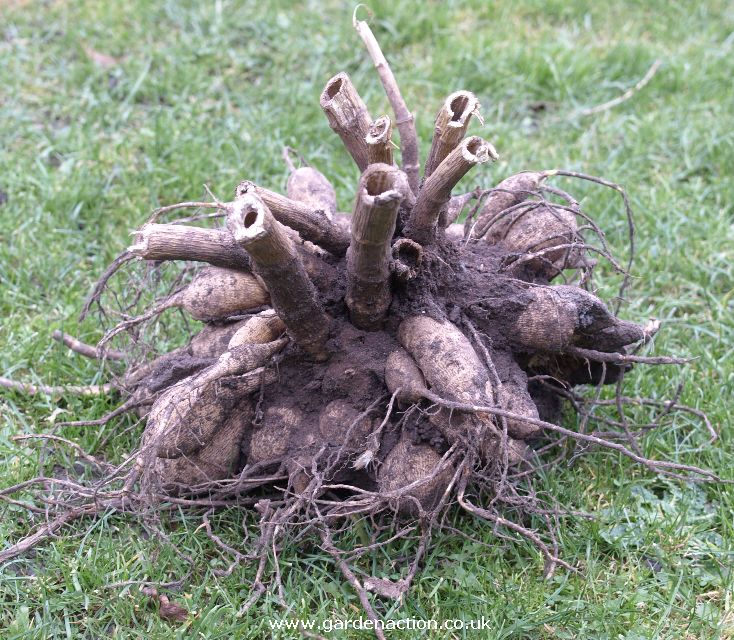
209	92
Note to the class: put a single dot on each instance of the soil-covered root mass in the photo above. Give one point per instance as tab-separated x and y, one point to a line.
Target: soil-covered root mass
345	366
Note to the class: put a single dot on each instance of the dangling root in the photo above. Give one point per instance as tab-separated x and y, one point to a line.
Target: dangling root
86	350
101	284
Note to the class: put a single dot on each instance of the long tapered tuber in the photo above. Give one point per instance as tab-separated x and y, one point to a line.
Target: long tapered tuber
271	439
348	116
436	190
216	460
415	471
343	425
277	262
404	377
450	128
165	370
454	208
215	293
542	239
381	190
445	356
512	395
187	415
453	369
555	318
311	187
263	327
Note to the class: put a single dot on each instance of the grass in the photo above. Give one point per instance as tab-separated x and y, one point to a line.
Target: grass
209	93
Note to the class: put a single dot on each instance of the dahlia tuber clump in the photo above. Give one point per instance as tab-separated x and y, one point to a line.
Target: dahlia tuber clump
386	360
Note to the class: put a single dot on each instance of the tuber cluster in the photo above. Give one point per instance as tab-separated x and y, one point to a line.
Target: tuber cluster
386	360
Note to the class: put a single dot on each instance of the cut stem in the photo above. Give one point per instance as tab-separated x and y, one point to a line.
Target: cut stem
180	242
311	225
452	122
348	116
436	191
407	257
379	141
381	190
276	260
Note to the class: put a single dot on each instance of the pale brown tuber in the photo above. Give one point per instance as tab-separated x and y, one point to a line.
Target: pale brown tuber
311	187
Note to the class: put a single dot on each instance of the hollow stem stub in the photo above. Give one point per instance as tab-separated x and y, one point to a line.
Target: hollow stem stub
276	261
452	122
182	242
311	224
437	188
347	115
407	257
381	190
379	141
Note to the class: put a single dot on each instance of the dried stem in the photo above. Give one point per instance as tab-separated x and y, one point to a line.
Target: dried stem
436	191
179	242
381	190
403	117
452	122
379	141
311	225
348	116
276	261
407	258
